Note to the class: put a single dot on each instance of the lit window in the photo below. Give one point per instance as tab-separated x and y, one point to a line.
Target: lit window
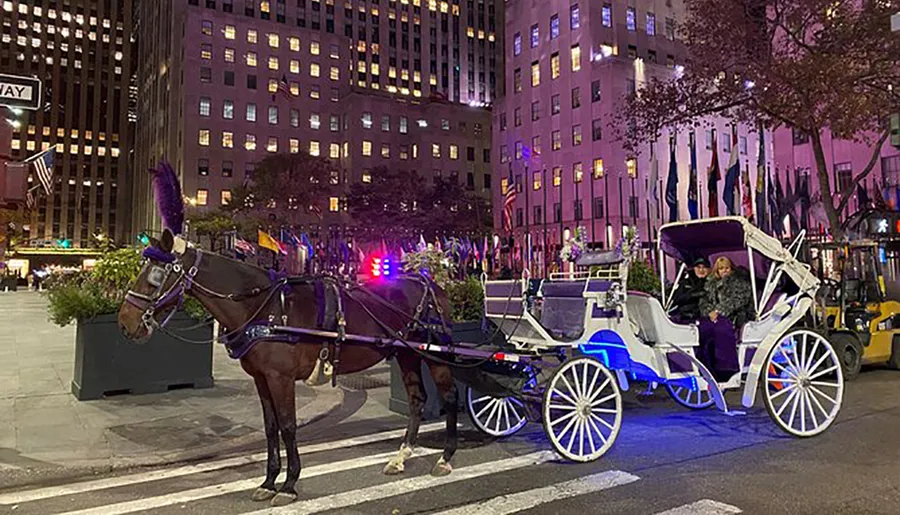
535	36
598	168
251	58
250	142
436	150
574	17
273	63
314	121
334	123
554	66
577	173
295	66
272	144
228	110
273	115
314	92
385	123
517	44
367	120
576	58
366	177
630	23
334	151
227	139
404	125
631	167
557	176
206	52
295	89
314	149
651	24
229	55
229	32
313	70
606	15
334	52
294	44
519	150
204	137
204	106
334	204
334	73
554	26
206	27
535	74
314	47
454	152
556	140
202	197
226	197
367	148
576	135
273	86
385	150
251	113
251	36
536	181
517	80
273	40
295	145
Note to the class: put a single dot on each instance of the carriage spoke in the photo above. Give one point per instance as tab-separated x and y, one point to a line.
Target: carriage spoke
572	391
816	366
818	404
562	406
822	373
822	383
596	428
590	433
812	411
605	423
812	355
581	426
494	411
578	385
515	412
802	352
777	379
785	370
485	408
500	412
598	391
564	396
594	383
565	430
786	402
506	414
605	399
584	385
802	398
603	410
790	360
781	392
563	418
823	394
794	408
482	399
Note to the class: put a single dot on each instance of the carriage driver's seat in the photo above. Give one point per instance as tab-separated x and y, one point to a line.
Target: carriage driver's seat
654	326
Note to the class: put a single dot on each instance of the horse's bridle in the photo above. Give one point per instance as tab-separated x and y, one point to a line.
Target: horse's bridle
159	276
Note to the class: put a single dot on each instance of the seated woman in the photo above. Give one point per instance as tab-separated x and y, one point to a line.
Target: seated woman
727	305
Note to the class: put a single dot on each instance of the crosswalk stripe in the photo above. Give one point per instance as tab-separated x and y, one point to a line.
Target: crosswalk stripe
237	486
405	486
514	503
186	470
704	507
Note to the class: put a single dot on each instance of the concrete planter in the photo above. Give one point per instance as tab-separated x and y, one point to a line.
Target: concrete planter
106	363
462	332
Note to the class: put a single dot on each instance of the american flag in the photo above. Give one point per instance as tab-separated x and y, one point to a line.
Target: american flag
284	87
316	210
29	198
244	247
509	202
43	167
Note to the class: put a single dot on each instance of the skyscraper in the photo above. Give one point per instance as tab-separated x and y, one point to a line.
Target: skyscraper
81	51
392	83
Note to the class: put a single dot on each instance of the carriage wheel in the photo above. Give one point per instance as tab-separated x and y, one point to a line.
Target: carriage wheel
803	385
693	397
496	416
582	409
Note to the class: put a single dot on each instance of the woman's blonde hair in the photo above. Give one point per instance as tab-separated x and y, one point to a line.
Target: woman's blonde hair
720	263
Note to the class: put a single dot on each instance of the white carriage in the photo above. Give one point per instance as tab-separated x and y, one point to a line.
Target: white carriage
591	337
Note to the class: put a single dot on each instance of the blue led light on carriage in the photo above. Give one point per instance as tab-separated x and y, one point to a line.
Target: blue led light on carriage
608	347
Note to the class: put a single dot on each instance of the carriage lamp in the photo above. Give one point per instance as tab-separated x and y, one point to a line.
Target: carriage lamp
382	267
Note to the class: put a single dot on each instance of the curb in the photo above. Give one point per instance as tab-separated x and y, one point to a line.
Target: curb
326	402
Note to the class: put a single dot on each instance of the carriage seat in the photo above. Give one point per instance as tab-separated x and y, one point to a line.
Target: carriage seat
607	258
654	326
562	314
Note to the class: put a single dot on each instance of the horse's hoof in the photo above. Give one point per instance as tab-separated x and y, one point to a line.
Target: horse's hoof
441	468
283	499
263	494
393	468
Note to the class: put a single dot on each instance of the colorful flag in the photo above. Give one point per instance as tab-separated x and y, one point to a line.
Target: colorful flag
671	184
712	181
509	201
747	194
284	88
266	241
244	246
316	210
693	201
43	168
732	177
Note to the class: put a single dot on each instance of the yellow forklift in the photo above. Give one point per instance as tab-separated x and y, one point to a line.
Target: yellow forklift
857	306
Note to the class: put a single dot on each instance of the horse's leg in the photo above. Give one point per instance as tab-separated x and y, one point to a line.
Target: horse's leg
273	461
283	396
446	387
411	370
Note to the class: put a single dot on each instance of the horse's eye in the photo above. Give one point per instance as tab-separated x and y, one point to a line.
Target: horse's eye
156	276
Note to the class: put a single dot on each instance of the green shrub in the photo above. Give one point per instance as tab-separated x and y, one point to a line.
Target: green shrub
85	295
431	262
467	299
642	277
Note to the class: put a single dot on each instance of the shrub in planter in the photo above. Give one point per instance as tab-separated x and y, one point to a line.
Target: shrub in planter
104	361
467	299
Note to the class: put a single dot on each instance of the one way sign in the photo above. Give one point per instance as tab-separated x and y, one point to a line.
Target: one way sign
20	92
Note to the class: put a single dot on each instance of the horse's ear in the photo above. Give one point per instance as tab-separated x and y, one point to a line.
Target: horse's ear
167	242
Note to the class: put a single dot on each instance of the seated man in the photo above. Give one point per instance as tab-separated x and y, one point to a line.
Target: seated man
726	307
691	289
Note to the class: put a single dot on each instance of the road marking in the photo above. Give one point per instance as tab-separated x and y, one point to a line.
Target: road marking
704	507
517	502
405	486
205	492
186	470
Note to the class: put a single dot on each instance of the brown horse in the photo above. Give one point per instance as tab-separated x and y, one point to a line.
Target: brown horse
242	296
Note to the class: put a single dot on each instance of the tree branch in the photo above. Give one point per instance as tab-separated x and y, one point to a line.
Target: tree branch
876	153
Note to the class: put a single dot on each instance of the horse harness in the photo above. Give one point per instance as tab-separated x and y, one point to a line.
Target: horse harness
330	315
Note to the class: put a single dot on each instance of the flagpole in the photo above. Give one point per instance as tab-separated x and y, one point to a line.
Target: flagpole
527	190
544	186
593	215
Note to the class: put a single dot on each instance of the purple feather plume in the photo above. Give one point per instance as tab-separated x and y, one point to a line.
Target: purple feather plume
167	190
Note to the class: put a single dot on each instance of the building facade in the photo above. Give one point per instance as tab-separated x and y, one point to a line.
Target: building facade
81	51
570	65
226	83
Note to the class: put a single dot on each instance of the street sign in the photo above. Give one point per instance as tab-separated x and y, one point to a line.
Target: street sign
20	92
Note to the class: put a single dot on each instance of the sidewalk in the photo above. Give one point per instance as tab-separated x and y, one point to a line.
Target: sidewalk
46	432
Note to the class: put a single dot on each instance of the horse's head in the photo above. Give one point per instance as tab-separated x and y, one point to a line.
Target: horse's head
159	288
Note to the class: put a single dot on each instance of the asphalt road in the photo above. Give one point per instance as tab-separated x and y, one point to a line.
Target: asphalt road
666	460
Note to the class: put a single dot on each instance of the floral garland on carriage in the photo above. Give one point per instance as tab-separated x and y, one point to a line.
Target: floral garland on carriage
574	248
